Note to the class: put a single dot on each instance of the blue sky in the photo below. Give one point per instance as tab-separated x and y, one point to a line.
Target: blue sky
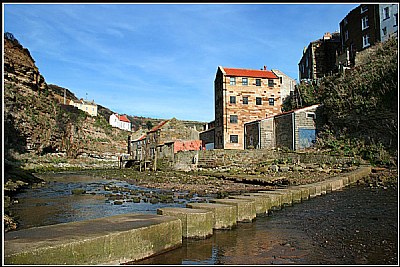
160	60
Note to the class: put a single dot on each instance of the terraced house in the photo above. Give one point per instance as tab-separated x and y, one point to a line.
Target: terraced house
242	95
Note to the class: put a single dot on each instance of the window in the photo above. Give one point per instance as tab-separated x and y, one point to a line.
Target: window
395	20
245	100
384	31
233	119
233	81
363	9
244	81
234	139
270	83
344	22
346	35
310	115
386	13
258	101
271	101
280	80
258	82
366	41
232	99
364	23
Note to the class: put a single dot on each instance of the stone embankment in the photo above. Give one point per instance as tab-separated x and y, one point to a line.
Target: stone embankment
131	237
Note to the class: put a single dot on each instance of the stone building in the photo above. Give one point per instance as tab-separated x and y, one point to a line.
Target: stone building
260	134
163	141
298	129
319	58
242	95
294	130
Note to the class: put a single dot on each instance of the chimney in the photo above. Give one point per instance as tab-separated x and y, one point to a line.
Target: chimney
265	67
327	36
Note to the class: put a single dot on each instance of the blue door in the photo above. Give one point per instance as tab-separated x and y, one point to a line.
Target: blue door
306	137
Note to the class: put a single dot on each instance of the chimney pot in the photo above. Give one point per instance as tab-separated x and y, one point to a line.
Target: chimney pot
265	67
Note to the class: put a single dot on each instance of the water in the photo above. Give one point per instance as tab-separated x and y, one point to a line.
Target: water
54	202
358	225
355	226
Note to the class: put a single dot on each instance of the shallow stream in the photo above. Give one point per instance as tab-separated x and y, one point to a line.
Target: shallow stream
358	225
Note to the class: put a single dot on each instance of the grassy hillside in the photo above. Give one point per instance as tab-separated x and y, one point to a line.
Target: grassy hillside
360	107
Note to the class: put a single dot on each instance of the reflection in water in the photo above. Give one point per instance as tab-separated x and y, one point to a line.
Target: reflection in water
354	226
260	242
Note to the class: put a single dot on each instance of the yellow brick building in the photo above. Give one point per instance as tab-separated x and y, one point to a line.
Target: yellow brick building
242	95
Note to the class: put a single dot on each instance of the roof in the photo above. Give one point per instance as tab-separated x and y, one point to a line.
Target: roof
155	128
249	73
140	138
123	118
299	110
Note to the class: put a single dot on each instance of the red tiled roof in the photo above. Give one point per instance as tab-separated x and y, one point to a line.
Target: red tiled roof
123	118
141	138
155	128
250	73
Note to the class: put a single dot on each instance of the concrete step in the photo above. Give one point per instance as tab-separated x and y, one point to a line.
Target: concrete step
110	240
224	215
196	223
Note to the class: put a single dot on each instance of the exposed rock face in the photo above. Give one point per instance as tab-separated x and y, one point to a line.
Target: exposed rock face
35	119
27	105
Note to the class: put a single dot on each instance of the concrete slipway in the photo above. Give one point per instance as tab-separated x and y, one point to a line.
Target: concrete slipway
130	237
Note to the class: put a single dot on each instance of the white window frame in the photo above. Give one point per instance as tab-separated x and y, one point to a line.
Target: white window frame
232	80
364	23
366	42
363	9
310	115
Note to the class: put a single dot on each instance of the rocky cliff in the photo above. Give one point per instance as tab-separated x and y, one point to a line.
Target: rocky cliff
37	122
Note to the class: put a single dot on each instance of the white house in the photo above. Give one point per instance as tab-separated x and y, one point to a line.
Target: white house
120	121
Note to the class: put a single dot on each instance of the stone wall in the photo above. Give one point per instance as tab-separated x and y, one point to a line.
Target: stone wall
190	160
284	131
267	133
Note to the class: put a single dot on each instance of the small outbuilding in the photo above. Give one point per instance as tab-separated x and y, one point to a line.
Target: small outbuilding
295	130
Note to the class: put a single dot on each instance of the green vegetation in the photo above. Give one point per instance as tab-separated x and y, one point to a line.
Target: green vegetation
360	107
